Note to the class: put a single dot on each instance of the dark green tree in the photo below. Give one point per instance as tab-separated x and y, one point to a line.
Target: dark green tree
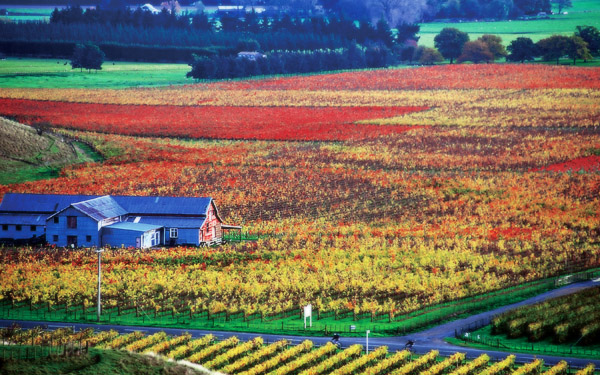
200	21
577	48
78	57
450	42
407	32
498	9
202	68
533	7
592	37
384	33
377	56
554	47
87	56
522	49
476	51
563	4
247	45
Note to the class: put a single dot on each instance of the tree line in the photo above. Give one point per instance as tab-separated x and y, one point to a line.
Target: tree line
393	11
134	35
245	22
409	11
455	44
155	44
291	62
451	44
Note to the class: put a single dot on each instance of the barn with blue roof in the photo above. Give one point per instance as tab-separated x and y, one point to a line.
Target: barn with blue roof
130	221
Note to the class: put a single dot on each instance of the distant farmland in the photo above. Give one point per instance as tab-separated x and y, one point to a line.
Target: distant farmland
584	12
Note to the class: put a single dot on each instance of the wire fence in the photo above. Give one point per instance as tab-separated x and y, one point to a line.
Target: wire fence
497	342
292	323
469	334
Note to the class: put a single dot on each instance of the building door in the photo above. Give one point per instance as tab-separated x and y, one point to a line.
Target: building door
72	241
155	239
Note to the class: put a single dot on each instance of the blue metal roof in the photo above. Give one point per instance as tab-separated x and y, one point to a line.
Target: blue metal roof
169	221
46	203
100	208
163	205
52	203
136	227
23	219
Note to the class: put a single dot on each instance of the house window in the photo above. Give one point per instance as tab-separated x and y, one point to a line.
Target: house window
55	219
88	238
173	232
18	228
4	226
33	228
55	237
72	222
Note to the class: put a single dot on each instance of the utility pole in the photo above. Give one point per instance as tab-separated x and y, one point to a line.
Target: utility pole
99	252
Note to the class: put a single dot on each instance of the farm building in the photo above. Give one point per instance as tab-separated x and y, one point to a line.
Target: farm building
251	55
150	8
88	220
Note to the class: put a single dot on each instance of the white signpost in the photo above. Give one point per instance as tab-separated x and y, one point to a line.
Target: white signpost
308	314
368	331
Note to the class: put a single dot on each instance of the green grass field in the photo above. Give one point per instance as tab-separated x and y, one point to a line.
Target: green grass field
584	12
53	73
28	156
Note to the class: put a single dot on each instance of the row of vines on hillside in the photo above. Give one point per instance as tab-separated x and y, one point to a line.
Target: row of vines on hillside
255	357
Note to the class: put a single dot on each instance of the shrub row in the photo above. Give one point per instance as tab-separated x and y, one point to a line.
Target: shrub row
113	51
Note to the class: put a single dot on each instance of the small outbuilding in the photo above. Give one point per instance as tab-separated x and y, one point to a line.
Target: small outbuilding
251	55
135	235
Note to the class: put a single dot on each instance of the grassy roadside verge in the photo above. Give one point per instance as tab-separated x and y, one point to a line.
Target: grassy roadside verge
483	339
289	325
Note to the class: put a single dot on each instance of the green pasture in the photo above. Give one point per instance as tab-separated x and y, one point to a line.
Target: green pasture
45	11
584	12
57	73
27	14
14	172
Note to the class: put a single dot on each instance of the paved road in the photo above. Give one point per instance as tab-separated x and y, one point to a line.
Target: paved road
425	341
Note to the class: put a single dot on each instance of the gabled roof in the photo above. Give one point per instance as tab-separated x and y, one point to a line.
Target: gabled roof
39	203
52	203
100	208
164	205
27	219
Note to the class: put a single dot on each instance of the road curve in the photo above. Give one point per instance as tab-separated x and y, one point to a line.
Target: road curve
431	339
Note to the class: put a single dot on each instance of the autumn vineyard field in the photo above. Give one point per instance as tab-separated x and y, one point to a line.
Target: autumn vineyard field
254	357
562	319
374	193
